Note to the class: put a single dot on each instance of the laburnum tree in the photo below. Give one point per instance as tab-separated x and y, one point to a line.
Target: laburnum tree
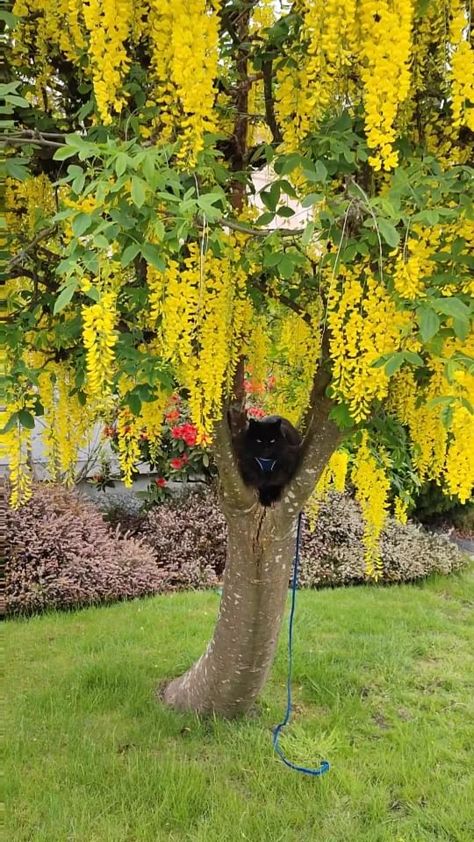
138	263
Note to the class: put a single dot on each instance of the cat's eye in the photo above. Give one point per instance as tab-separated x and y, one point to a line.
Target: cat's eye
272	441
259	441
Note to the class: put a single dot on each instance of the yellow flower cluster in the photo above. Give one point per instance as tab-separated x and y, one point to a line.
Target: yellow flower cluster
28	202
128	437
151	417
372	488
462	67
44	28
99	339
332	478
259	350
109	23
415	265
67	423
306	89
400	510
184	38
439	453
297	350
15	445
200	312
385	27
364	325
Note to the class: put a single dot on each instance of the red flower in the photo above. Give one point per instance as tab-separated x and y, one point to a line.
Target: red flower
271	381
256	412
172	415
179	461
109	431
186	432
160	482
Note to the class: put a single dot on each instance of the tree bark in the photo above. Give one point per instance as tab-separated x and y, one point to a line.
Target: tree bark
228	677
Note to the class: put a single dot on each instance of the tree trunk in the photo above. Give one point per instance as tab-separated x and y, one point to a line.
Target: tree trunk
261	544
228	677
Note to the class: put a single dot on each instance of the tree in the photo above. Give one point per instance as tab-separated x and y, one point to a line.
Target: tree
137	261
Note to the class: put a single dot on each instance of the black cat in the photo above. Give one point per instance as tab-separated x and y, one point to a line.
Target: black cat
268	454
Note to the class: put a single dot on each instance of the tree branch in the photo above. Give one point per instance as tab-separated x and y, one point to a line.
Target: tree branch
283	299
42	235
267	68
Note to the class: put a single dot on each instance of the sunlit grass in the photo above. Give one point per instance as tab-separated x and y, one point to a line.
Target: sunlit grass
383	688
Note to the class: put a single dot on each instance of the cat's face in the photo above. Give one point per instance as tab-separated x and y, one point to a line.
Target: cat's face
264	437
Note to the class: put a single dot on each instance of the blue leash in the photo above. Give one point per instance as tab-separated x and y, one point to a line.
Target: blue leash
324	766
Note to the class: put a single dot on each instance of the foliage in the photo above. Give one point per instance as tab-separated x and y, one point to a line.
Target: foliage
189	537
138	262
382	688
333	554
61	554
176	455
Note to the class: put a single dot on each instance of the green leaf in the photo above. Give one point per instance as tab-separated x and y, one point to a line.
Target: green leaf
64	298
78	183
153	256
388	232
286	267
63	153
452	307
138	191
129	254
285	212
270	197
413	358
461	328
205	460
81	223
428	322
287	164
272	258
11	423
307	234
15	170
311	199
121	162
26	419
320	171
133	402
265	219
394	362
207	204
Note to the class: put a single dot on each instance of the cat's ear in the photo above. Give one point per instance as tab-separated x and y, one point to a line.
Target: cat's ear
277	424
252	424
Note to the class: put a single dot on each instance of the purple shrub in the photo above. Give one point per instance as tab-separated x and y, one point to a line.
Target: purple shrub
62	553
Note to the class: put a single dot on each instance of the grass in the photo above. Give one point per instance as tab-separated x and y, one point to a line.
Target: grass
383	687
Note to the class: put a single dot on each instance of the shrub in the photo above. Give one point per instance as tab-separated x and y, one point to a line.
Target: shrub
189	537
190	540
62	553
333	553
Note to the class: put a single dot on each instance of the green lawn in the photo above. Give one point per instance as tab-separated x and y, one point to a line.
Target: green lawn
383	687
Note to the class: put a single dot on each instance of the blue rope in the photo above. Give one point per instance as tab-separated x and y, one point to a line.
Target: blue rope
324	766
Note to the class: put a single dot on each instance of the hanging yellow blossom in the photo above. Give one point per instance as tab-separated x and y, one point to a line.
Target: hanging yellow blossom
332	478
400	510
385	54
364	325
16	445
128	438
109	24
462	67
100	339
372	493
184	38
297	351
